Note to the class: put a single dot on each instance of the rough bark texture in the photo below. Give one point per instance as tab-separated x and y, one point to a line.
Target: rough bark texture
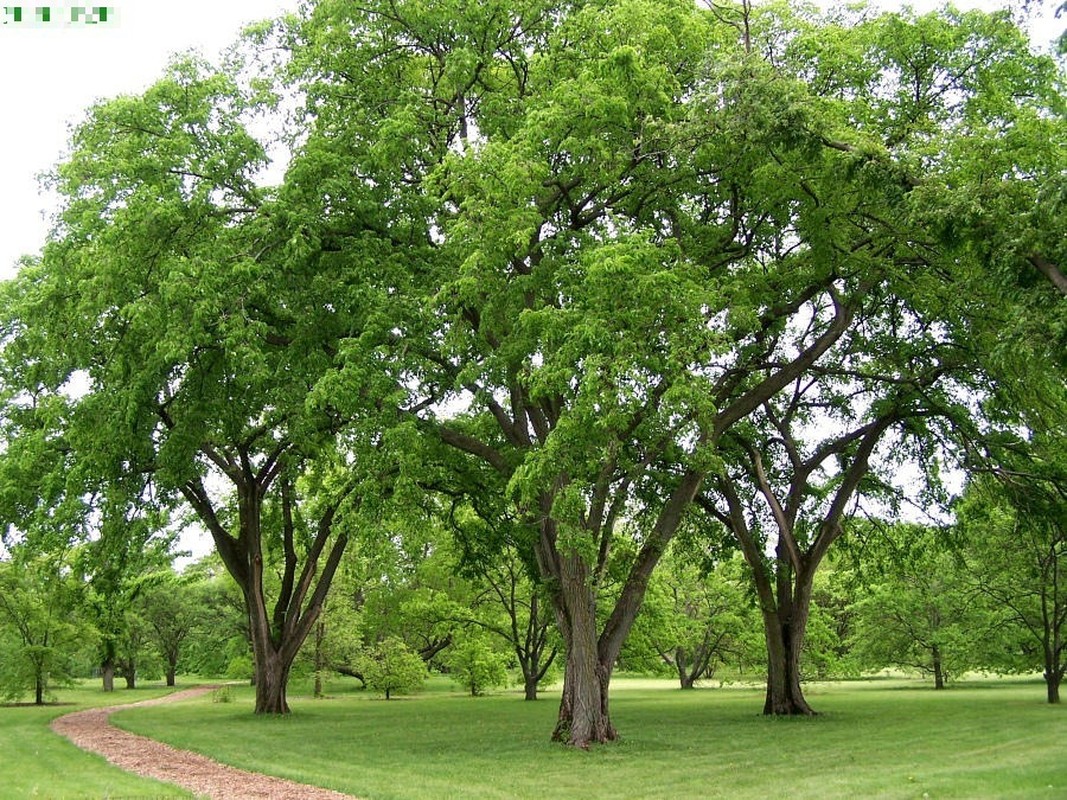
107	674
583	710
785	641
272	680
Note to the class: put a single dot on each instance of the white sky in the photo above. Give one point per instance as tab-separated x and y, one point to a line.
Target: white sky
50	73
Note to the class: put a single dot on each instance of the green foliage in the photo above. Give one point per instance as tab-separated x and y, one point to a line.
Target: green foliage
695	621
41	627
916	608
391	668
476	665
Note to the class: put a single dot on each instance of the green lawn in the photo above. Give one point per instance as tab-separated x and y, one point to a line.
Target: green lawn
874	739
34	762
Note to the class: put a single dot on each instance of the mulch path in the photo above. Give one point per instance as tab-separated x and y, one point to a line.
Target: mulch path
91	730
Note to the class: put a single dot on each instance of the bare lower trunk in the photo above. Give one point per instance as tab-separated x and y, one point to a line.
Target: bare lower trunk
583	708
107	674
38	690
272	679
1053	677
784	629
584	718
171	672
529	685
939	672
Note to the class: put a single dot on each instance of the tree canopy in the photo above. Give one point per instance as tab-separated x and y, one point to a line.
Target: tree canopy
587	272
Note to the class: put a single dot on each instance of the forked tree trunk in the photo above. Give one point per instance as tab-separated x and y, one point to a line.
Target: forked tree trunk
784	628
272	680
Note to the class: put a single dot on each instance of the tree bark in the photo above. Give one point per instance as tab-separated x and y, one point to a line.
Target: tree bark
38	690
529	684
1052	685
583	710
939	672
107	673
272	681
784	628
784	696
172	670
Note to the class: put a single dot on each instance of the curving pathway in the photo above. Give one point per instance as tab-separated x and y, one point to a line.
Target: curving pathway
92	730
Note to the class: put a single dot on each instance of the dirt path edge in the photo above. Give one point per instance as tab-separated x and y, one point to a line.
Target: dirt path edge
92	730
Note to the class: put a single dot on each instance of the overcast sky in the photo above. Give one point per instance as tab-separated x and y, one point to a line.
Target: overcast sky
51	72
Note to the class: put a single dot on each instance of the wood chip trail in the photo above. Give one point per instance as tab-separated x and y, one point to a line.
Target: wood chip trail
92	730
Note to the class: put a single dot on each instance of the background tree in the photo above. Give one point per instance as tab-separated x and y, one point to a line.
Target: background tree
169	609
693	620
200	347
477	664
917	609
390	667
41	628
1013	523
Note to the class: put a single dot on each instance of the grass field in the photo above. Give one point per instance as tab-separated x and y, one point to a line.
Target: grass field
893	739
34	762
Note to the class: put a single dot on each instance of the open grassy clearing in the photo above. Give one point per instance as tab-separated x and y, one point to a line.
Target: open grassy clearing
38	763
895	739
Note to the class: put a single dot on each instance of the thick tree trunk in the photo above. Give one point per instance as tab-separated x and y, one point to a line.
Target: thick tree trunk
529	684
583	708
784	629
272	681
172	670
107	674
131	680
939	673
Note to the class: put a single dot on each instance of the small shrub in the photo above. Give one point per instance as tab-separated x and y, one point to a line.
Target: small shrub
222	694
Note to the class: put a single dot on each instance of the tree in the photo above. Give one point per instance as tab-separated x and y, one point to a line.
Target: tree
131	554
476	665
174	286
693	619
169	610
562	183
893	372
40	628
390	667
1016	550
918	609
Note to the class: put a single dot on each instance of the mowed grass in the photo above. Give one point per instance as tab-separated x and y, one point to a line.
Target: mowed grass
34	762
873	739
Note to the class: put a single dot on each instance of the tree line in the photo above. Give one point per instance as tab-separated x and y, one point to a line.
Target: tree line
585	283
